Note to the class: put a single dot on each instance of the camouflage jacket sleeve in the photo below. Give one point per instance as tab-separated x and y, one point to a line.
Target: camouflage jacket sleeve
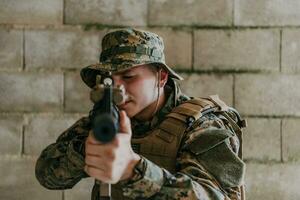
208	168
60	165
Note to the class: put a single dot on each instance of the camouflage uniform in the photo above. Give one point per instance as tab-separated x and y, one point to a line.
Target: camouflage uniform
206	165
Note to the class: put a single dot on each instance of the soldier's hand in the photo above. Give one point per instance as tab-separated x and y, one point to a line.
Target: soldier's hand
114	161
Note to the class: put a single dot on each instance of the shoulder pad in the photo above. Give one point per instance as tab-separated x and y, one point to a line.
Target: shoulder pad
213	151
207	140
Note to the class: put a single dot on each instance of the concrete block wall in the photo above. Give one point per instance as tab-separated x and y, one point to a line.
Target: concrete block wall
246	51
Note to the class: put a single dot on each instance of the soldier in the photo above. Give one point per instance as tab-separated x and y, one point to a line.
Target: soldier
170	146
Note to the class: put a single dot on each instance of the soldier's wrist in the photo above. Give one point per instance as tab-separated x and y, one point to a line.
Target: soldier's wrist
137	172
130	172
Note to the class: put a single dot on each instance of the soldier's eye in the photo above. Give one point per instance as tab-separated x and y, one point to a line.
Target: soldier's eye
128	76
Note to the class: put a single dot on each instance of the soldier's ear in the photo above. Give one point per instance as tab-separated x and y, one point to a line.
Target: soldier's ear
163	77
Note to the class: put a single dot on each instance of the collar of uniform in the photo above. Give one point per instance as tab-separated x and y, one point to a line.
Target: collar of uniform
174	98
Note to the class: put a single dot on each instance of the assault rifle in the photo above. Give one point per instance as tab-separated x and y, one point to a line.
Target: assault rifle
105	119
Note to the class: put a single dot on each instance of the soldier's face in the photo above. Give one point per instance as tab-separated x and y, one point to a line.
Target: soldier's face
141	87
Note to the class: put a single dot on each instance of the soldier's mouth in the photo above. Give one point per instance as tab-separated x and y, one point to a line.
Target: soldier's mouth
122	106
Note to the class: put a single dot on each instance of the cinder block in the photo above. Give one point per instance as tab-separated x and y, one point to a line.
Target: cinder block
18	180
245	50
290	51
31	12
43	130
272	181
178	47
261	139
77	94
11	51
11	134
190	13
82	190
290	139
267	13
31	92
113	12
273	94
61	48
204	85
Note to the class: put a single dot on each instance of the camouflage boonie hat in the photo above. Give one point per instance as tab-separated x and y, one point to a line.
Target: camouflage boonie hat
127	48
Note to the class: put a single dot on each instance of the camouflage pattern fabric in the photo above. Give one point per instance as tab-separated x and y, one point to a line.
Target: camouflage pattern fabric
208	171
127	48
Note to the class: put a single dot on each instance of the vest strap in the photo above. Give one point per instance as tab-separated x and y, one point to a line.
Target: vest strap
183	117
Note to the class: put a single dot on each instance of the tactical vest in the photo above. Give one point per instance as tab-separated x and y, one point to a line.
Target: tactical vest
161	144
